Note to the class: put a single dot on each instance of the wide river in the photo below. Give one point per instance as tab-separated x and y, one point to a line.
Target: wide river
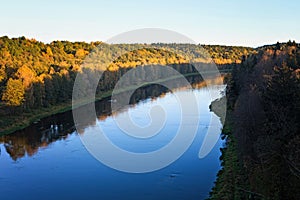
47	160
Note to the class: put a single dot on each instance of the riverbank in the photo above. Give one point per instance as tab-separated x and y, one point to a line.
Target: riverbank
25	119
230	181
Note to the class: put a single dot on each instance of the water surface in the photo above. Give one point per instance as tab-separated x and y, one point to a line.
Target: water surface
48	161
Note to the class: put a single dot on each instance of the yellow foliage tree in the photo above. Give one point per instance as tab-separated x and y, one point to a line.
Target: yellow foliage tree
80	53
14	93
26	75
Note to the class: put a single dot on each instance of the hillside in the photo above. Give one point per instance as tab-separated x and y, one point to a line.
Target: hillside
36	79
261	157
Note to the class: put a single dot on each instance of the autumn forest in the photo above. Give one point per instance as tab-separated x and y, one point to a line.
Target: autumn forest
260	158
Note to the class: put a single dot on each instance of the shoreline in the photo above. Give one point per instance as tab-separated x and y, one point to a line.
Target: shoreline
39	114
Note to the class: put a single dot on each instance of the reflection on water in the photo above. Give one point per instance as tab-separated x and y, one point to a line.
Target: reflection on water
60	126
49	156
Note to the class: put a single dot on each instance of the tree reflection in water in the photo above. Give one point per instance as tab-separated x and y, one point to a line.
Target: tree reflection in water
28	141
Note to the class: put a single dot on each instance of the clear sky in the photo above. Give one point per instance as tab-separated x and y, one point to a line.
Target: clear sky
229	22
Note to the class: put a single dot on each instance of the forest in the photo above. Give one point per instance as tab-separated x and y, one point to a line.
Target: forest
36	79
261	158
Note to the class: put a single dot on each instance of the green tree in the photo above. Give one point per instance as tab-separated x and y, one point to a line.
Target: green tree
281	129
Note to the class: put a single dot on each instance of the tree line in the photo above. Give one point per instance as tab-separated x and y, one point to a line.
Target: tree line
35	75
261	157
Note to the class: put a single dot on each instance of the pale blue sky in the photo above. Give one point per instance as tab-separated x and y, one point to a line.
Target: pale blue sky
230	22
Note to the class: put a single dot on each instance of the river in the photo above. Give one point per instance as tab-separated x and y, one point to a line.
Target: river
47	160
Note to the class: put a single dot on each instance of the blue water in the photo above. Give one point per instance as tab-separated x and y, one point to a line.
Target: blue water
39	164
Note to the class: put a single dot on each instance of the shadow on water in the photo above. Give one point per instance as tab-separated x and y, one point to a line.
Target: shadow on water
48	160
60	126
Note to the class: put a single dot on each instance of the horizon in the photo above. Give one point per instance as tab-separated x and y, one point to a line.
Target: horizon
262	45
234	23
